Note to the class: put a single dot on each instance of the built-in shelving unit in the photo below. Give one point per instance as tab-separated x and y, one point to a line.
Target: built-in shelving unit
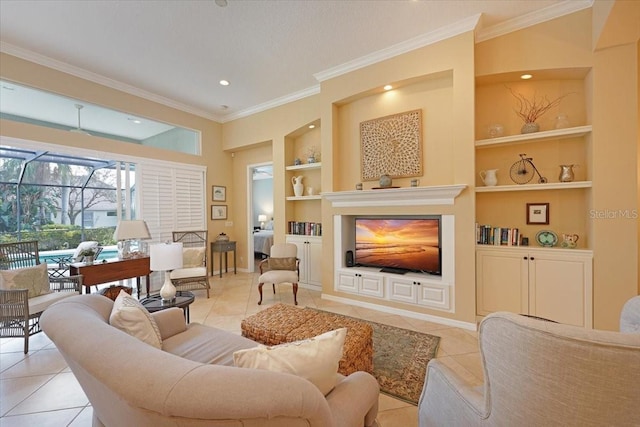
306	166
555	283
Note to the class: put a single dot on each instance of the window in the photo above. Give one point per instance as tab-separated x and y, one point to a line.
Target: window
61	199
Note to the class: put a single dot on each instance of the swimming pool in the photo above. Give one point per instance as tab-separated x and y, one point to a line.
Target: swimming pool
52	257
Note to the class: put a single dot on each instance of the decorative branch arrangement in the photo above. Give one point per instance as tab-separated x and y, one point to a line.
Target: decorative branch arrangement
531	110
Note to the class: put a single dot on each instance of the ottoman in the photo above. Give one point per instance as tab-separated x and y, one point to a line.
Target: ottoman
283	323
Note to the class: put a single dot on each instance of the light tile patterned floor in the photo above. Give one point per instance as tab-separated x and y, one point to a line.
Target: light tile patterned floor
39	389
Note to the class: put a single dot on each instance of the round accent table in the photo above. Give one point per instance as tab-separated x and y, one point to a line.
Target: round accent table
182	300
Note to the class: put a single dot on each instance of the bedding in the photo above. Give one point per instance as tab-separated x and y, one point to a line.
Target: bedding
262	241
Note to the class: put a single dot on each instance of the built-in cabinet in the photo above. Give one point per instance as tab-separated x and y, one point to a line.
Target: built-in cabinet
310	256
553	284
549	282
410	288
360	281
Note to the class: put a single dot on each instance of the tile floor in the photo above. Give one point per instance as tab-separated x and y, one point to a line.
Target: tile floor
39	389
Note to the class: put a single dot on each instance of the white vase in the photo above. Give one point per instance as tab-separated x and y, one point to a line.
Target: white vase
298	187
489	177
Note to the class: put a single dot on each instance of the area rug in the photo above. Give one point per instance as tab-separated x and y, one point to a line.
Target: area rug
400	358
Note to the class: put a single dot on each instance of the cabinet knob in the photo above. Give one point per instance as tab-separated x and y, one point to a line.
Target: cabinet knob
525	257
532	258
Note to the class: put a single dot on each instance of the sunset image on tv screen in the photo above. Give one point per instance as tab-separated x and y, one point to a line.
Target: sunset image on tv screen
411	244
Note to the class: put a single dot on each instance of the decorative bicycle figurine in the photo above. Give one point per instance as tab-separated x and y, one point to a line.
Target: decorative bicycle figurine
523	170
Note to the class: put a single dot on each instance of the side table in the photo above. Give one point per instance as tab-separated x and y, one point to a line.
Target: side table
183	299
223	247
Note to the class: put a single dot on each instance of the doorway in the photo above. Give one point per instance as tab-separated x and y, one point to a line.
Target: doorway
260	212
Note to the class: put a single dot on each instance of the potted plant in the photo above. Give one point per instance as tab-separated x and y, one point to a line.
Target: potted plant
312	154
88	255
530	110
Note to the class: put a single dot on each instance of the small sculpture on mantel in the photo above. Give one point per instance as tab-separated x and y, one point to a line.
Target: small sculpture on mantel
385	181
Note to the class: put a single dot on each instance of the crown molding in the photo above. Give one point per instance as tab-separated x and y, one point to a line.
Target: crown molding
432	37
100	79
548	13
310	91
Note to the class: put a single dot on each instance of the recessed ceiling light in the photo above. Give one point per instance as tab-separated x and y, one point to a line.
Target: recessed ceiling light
221	3
136	121
224	82
388	87
312	126
526	76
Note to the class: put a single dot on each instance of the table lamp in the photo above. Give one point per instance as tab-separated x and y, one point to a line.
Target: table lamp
129	230
262	218
166	257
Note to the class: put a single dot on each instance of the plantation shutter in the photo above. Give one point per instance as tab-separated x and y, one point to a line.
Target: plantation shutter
171	198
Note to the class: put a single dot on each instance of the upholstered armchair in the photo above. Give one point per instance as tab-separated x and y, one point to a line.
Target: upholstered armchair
539	373
26	290
193	274
282	266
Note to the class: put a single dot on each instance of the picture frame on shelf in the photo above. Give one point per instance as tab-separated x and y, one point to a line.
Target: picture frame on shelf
218	212
219	193
537	213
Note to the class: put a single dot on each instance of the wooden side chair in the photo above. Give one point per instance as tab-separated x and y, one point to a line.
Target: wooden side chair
26	290
282	266
193	274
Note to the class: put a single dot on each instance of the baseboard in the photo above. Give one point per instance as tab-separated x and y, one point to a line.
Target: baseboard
401	312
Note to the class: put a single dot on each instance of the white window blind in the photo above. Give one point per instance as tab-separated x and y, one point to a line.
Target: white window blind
172	198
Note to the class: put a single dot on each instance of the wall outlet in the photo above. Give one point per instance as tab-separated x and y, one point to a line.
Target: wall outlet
228	224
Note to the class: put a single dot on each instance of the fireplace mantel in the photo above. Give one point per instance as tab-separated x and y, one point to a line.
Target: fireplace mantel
408	196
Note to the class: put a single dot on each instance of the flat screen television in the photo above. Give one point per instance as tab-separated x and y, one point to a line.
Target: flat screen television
399	244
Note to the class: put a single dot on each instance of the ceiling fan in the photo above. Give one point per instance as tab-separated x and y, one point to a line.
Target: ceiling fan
79	129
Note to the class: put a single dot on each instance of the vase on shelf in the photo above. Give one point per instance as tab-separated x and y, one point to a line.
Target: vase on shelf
298	187
566	173
562	121
530	127
489	177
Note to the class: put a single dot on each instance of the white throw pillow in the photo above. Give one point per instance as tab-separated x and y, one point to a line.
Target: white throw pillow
34	279
315	359
131	317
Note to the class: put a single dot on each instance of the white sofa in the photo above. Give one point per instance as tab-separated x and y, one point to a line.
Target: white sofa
539	373
191	381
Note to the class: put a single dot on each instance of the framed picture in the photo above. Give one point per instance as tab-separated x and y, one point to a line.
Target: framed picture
218	211
219	193
538	213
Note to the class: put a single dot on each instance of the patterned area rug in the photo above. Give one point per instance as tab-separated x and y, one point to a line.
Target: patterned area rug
400	358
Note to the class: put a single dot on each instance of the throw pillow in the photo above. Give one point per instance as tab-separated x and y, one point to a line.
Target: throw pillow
282	263
193	257
34	279
131	317
315	359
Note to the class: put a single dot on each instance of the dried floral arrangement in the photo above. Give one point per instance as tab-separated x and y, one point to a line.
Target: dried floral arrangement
530	110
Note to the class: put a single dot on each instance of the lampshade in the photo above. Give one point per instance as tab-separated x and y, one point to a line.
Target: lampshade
131	230
262	218
166	256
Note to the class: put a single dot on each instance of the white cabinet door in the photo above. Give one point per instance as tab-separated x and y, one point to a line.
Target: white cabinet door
560	288
502	281
310	256
550	283
402	290
361	282
314	260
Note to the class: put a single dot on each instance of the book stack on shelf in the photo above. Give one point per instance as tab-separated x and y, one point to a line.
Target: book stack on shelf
497	236
305	228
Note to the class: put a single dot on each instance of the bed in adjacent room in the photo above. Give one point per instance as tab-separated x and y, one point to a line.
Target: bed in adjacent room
262	241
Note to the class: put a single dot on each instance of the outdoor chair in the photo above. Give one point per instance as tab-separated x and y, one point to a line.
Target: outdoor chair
26	290
193	274
59	266
282	266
